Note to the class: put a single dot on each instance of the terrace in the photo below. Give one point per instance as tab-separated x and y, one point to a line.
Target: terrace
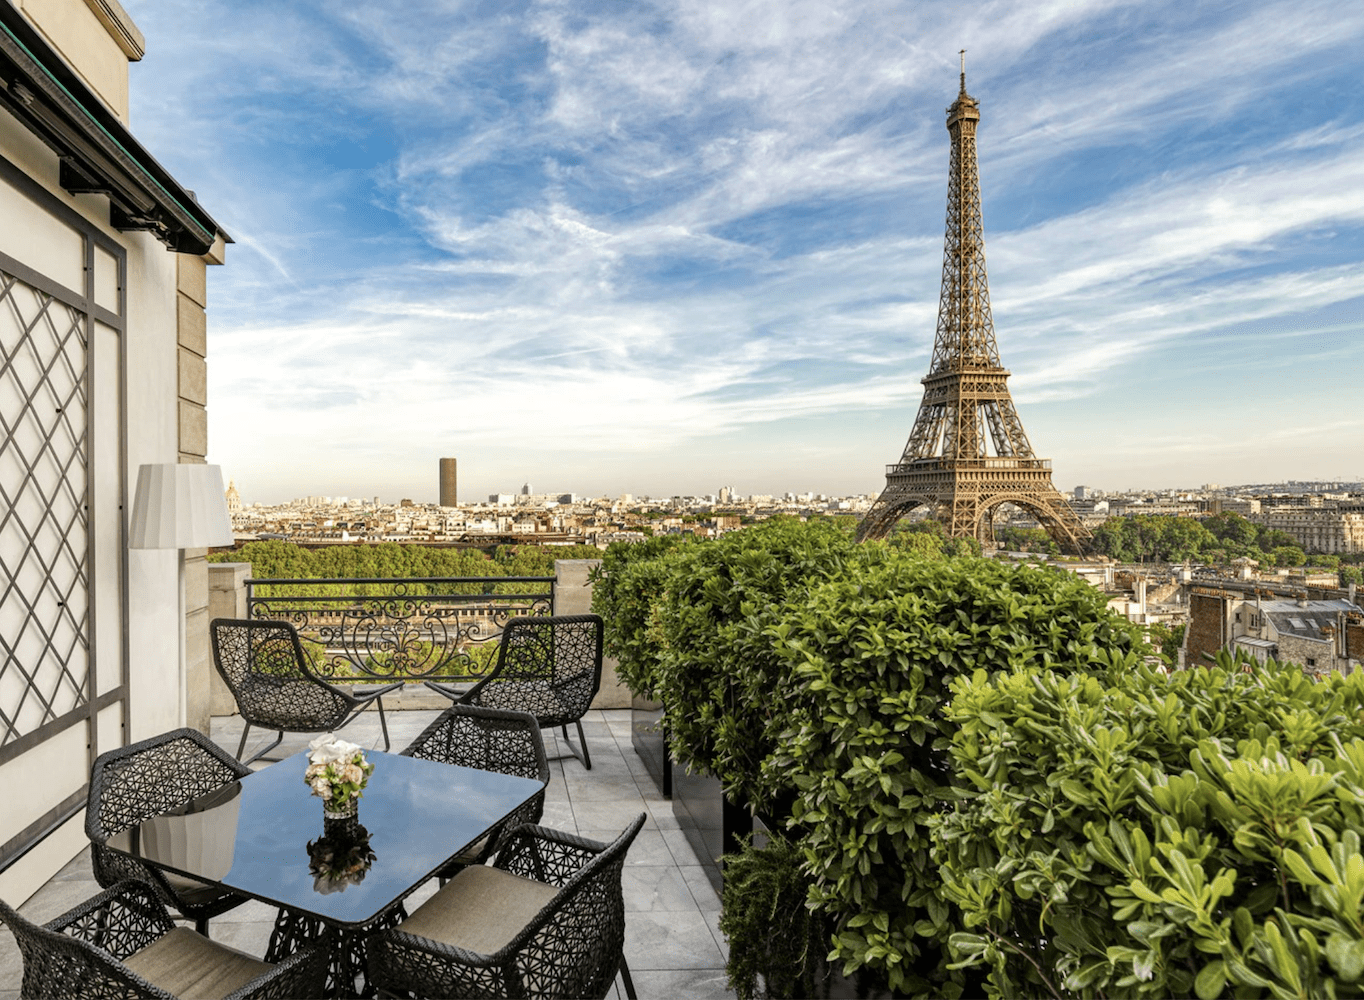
673	943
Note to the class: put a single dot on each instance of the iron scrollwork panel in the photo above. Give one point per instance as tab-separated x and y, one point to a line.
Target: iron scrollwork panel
401	635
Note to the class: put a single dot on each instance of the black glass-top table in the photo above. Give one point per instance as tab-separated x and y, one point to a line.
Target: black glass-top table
264	837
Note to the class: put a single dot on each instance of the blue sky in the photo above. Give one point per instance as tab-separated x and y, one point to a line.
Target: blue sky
663	247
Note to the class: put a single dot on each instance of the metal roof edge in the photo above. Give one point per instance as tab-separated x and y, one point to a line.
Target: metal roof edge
98	152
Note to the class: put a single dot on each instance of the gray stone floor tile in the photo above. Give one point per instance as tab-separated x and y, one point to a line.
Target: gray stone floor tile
649	847
654	888
252	936
58	896
683	852
80	868
604	772
701	889
604	788
681	984
11	962
670	939
605	754
557	791
251	910
614	714
662	812
649	792
609	815
14	994
559	816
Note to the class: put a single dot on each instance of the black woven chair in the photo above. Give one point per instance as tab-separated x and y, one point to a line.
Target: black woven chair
123	943
151	778
263	664
491	740
546	920
549	666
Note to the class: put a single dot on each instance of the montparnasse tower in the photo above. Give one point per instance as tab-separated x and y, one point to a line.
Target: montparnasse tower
967	453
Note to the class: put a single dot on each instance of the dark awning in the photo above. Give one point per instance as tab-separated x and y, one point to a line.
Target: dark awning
98	153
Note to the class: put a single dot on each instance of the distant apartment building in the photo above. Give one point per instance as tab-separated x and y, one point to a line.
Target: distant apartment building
1166	508
1321	635
1334	532
1245	506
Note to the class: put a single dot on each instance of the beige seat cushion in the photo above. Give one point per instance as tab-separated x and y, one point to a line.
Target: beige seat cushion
480	909
191	966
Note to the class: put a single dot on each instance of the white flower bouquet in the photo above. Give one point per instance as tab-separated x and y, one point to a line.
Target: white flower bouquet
337	772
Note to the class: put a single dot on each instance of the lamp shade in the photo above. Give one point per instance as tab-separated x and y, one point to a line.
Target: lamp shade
179	507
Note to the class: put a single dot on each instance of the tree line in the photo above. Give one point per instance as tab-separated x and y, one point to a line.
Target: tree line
1165	538
279	560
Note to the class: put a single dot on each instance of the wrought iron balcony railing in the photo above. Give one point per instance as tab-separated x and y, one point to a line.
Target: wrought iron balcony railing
409	629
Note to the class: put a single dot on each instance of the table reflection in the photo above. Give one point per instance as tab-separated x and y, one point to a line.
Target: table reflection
341	857
198	837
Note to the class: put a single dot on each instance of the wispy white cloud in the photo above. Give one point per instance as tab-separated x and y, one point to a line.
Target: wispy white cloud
583	234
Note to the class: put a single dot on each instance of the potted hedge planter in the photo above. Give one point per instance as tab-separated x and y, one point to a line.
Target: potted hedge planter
649	736
713	825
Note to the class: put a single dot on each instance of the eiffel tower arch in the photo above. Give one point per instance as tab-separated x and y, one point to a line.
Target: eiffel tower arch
967	452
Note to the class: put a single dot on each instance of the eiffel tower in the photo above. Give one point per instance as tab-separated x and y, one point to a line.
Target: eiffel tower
947	463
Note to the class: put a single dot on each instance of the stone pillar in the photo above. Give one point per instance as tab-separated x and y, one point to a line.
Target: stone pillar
226	599
191	299
573	596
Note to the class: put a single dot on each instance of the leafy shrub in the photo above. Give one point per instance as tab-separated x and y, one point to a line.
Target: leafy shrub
719	668
626	587
772	933
1138	834
867	660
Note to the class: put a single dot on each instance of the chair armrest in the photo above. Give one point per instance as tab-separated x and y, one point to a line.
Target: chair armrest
549	856
302	974
349	695
123	919
375	693
454	694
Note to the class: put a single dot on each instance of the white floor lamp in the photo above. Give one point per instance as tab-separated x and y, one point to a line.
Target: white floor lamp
180	507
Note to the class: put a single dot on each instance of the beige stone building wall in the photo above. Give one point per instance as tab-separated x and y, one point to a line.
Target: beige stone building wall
97	39
133	673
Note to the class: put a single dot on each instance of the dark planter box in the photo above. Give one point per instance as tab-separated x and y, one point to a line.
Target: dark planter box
649	735
712	823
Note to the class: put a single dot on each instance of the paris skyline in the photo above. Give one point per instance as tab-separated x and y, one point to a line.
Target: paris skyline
641	248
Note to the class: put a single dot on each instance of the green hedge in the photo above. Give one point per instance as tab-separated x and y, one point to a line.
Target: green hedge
811	672
1143	835
716	660
625	589
985	785
868	660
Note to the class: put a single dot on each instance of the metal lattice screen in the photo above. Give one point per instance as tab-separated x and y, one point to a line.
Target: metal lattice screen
44	524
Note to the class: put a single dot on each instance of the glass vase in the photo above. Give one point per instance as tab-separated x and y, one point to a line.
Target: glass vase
344	810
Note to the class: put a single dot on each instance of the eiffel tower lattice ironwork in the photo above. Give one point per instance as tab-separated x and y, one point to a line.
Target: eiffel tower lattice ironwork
947	463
